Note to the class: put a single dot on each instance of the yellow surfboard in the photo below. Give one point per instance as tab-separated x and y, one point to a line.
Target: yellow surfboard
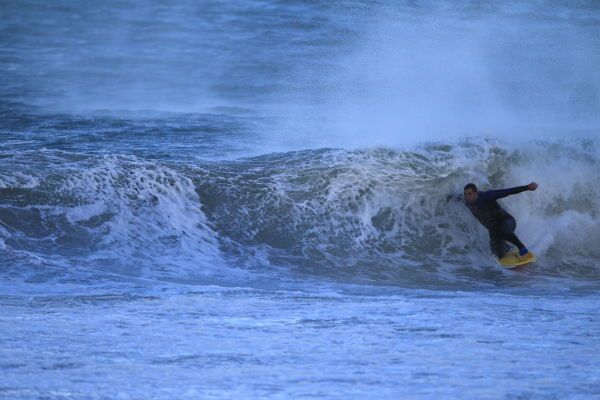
512	259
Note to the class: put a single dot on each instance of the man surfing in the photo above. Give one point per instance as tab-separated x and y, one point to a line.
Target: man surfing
500	224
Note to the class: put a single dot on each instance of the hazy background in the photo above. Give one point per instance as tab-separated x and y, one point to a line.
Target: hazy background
325	74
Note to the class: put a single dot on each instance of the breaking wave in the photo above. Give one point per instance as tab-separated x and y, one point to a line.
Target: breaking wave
379	216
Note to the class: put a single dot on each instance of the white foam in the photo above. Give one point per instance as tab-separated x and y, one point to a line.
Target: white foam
154	210
85	211
18	179
563	213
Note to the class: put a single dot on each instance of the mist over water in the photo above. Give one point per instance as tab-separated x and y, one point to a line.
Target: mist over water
438	71
334	75
263	195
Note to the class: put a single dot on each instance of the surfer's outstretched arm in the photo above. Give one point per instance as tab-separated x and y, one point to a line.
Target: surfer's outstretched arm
500	193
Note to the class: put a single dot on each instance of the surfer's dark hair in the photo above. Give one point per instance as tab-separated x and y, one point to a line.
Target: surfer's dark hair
470	186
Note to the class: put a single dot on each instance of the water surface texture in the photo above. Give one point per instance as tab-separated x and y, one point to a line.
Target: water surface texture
257	199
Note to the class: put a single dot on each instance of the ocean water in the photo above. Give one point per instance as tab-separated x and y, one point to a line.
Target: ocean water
256	200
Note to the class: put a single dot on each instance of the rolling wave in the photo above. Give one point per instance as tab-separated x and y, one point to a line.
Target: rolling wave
380	216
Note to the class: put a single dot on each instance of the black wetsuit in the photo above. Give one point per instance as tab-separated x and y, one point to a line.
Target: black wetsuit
498	222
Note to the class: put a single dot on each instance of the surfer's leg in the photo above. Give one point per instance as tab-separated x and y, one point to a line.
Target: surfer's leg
512	238
508	233
498	246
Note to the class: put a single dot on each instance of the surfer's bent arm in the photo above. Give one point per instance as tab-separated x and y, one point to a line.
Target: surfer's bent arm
500	193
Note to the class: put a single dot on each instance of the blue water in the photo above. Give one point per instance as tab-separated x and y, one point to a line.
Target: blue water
223	200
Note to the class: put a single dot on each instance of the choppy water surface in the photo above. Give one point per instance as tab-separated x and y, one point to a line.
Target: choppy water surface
248	201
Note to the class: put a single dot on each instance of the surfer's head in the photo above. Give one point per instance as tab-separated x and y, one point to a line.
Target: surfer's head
470	192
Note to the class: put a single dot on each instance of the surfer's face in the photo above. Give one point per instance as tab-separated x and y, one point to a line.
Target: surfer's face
470	196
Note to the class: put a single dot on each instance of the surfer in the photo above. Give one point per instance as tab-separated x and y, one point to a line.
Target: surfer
500	224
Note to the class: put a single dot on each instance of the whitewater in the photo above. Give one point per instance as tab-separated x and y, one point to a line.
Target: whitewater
259	200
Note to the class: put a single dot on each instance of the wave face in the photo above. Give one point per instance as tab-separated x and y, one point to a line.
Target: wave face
376	216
